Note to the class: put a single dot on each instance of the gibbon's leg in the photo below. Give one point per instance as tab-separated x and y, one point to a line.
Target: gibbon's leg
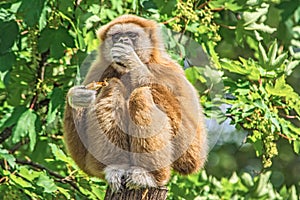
150	141
194	157
108	139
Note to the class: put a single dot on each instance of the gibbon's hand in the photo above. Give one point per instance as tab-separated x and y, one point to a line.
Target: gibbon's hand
80	97
125	55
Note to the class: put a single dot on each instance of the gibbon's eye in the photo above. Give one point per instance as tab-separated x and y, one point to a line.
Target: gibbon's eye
116	37
127	37
132	35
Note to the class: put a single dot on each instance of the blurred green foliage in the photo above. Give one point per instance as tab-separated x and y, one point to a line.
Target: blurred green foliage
252	67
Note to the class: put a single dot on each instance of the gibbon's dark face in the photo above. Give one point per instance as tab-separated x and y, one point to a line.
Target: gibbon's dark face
128	37
131	34
126	34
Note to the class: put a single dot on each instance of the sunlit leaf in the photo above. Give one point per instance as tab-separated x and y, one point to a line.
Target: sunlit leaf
24	127
59	154
251	17
65	192
279	61
296	146
247	179
29	174
262	54
4	154
260	188
290	66
47	183
280	88
260	27
273	52
20	181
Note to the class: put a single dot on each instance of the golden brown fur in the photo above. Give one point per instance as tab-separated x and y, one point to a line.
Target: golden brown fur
145	122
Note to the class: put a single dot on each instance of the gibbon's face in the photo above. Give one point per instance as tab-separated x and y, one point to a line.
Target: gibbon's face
131	34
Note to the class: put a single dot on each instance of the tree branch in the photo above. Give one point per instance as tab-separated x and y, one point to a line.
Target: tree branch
143	194
59	177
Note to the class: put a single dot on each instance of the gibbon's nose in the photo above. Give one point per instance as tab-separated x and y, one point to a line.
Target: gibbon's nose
124	40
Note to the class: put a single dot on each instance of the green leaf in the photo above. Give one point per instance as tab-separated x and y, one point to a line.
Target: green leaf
4	154
8	35
257	142
288	8
260	27
47	183
262	54
29	174
233	66
56	100
6	60
260	188
279	61
296	146
59	154
20	181
272	52
31	10
192	74
280	88
55	40
290	66
91	41
247	180
64	192
24	127
275	122
293	194
14	117
247	67
251	17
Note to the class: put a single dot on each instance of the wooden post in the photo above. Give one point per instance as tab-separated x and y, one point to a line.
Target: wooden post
140	194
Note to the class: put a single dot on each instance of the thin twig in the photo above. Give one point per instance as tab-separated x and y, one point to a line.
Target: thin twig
203	5
170	20
284	136
228	27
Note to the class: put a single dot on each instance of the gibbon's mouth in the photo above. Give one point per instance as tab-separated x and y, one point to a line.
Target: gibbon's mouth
120	64
129	43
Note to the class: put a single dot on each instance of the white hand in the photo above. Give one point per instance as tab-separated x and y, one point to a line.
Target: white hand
80	97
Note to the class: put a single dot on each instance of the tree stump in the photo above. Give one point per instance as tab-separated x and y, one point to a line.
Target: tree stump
140	194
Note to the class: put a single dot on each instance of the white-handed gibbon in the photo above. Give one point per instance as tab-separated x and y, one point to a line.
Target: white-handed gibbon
144	120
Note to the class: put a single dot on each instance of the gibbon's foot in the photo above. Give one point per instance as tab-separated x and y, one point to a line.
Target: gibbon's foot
137	177
115	177
80	97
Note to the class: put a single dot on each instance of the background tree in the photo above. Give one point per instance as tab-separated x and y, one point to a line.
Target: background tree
248	85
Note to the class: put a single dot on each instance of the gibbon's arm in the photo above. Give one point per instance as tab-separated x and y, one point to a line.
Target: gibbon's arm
73	119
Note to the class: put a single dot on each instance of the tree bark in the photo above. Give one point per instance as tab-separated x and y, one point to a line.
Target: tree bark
140	194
